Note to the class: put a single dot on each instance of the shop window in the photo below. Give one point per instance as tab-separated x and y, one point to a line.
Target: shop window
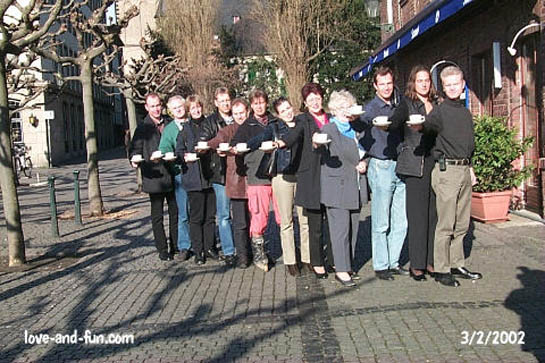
482	82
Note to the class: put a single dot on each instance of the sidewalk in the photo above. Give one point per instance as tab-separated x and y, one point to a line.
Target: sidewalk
105	277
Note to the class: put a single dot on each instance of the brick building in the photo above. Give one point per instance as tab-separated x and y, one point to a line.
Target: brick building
475	35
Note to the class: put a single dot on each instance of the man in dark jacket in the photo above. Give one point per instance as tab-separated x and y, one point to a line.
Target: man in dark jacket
258	187
209	129
157	181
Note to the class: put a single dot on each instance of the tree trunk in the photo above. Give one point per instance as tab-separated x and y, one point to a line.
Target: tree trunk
10	199
296	77
93	179
131	113
133	123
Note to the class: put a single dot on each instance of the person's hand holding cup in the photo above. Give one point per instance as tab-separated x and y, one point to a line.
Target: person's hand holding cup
416	121
190	157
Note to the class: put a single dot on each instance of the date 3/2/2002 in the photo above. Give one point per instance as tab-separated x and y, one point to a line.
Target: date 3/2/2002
492	337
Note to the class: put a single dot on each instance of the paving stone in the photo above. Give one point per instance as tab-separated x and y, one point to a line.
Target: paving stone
179	312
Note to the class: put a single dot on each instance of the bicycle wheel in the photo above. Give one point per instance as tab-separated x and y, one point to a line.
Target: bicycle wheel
17	167
28	168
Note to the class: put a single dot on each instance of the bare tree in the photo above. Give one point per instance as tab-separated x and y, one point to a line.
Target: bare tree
296	32
161	75
93	37
189	28
20	27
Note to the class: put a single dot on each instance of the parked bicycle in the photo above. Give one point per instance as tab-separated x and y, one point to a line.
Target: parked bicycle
21	160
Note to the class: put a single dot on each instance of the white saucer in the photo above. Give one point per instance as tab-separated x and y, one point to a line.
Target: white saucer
322	142
133	160
202	148
266	149
192	160
169	159
223	150
243	150
356	111
156	157
409	122
382	124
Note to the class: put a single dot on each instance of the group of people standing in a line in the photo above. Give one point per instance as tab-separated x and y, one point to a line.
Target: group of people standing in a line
413	152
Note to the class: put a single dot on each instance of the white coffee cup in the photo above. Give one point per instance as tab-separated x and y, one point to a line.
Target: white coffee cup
267	145
242	146
156	154
416	118
190	156
380	120
319	137
202	144
137	158
224	146
169	155
356	109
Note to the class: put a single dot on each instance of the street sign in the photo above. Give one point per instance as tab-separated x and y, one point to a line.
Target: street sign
49	114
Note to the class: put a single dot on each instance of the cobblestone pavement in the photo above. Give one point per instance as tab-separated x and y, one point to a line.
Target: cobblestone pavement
177	311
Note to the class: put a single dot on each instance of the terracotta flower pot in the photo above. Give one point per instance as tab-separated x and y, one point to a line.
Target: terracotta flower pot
490	207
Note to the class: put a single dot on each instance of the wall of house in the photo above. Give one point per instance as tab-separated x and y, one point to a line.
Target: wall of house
467	40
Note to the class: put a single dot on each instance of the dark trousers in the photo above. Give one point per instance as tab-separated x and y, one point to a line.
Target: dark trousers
241	228
202	219
421	217
317	224
156	201
343	229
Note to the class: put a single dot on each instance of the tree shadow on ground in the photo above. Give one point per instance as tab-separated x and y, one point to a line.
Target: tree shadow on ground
527	302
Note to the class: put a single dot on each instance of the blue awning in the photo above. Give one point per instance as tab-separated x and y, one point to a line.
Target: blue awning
430	16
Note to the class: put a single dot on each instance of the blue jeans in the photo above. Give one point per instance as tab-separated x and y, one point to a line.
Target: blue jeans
388	215
184	242
223	211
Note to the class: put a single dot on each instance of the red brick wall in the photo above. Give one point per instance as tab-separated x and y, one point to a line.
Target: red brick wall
469	36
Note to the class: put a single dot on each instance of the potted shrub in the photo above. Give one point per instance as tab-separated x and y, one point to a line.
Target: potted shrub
496	148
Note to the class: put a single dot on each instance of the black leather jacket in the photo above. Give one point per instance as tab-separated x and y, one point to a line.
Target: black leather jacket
209	129
418	144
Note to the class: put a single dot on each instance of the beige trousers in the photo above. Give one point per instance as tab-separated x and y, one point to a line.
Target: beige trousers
452	188
284	192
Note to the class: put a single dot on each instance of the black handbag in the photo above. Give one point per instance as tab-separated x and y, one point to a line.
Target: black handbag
408	163
267	165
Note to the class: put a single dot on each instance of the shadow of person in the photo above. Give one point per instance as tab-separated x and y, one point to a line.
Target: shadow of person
363	252
527	302
469	238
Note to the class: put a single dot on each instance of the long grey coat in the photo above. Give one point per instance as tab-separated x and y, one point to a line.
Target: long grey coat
342	186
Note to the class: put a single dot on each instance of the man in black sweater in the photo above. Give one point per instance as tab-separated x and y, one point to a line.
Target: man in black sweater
452	179
209	130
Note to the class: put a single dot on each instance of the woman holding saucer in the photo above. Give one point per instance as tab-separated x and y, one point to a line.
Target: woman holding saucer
344	185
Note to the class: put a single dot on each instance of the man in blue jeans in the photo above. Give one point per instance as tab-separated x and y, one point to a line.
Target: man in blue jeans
176	107
388	216
209	129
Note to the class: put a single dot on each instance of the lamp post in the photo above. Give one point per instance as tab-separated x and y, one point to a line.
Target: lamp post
511	48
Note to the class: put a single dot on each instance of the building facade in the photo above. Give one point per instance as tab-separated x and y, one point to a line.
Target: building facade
475	35
61	138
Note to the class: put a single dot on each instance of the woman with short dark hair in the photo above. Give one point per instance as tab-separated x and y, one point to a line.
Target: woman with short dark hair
307	193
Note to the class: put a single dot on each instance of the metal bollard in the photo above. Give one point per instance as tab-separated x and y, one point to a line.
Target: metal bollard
77	204
53	205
